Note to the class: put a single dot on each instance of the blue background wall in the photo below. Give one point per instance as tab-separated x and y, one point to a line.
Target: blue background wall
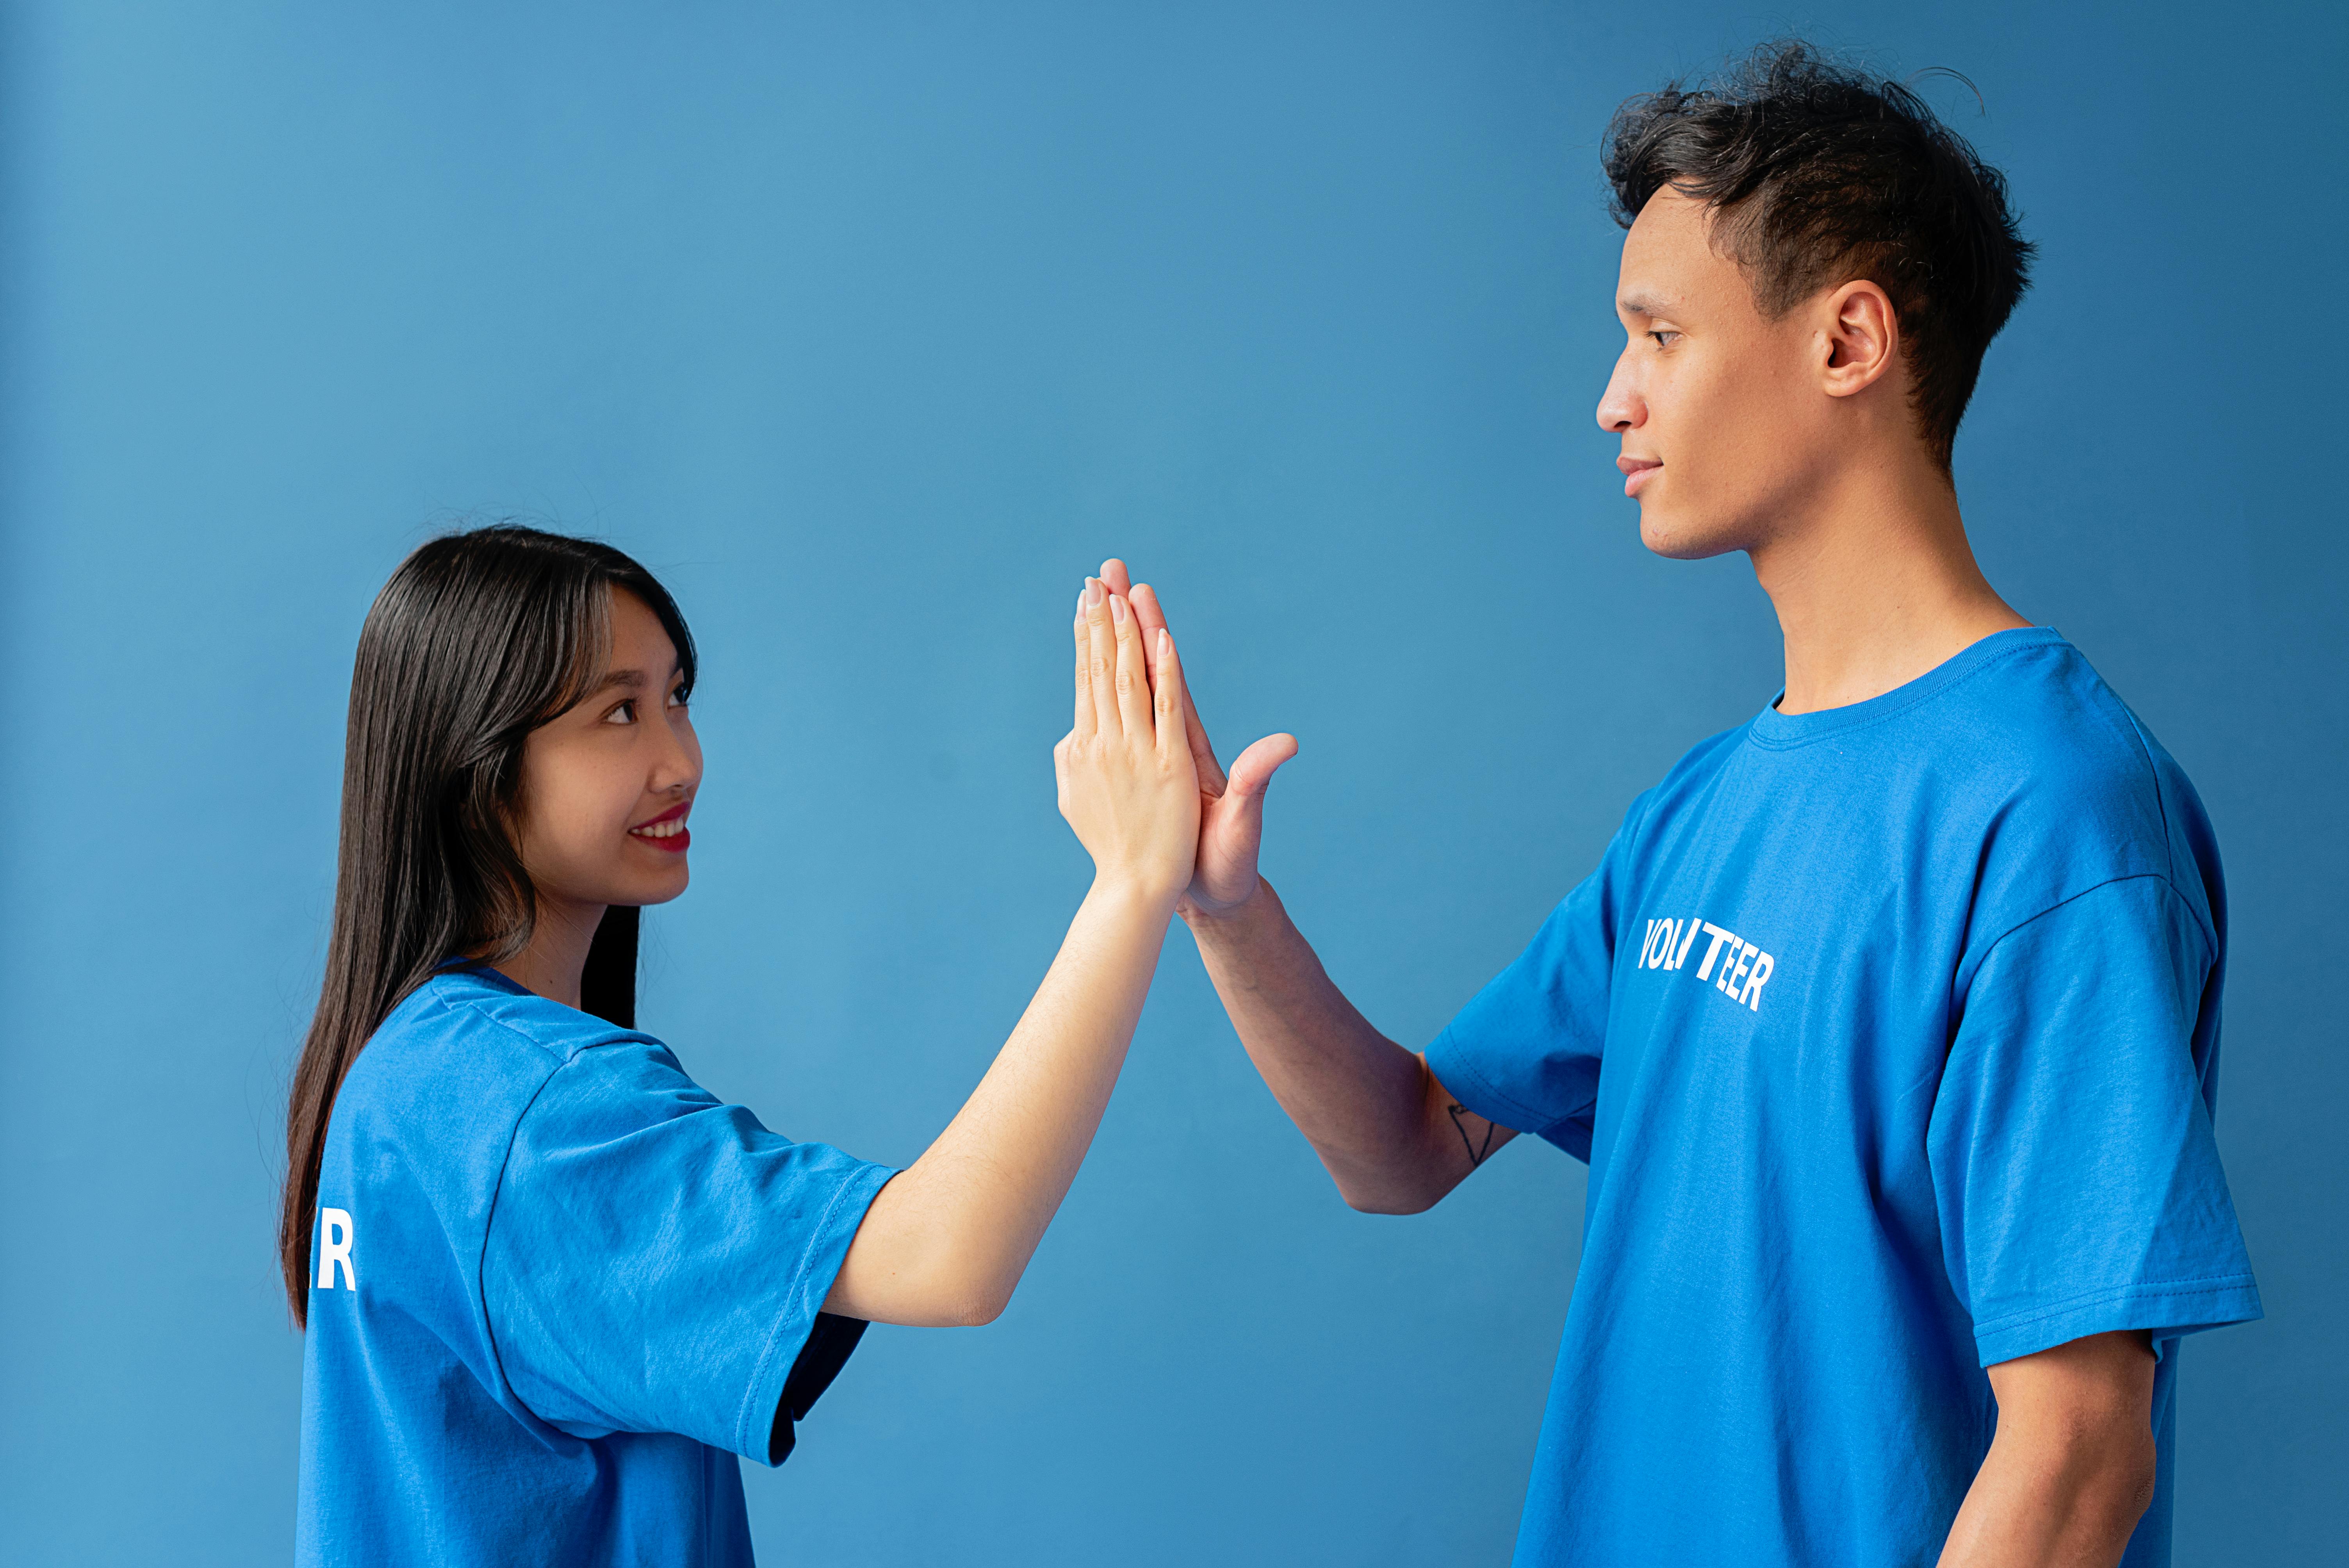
874	328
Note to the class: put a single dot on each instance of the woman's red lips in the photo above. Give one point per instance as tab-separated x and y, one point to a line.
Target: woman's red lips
666	832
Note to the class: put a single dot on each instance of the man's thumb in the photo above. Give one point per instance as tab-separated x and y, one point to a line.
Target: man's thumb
1253	769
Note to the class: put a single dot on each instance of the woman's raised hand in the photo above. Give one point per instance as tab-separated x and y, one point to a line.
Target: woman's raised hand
1128	784
948	1237
1231	811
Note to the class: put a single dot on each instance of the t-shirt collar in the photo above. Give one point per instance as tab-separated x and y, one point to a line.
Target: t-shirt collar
1781	730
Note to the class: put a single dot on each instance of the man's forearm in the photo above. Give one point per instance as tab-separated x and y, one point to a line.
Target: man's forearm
2072	1466
1360	1099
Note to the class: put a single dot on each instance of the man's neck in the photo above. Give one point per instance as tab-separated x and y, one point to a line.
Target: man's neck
1875	587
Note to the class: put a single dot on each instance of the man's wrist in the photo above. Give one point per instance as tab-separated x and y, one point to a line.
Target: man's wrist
1202	919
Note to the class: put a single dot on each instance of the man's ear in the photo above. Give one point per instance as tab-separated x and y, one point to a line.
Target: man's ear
1862	336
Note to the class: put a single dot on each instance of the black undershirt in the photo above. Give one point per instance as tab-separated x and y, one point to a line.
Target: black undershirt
820	1361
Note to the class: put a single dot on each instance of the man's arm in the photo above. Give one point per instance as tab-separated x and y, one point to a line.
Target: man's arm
1391	1137
2072	1466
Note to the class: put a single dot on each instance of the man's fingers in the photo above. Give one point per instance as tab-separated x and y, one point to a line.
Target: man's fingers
1115	577
1133	679
1166	692
1144	601
1101	644
1203	753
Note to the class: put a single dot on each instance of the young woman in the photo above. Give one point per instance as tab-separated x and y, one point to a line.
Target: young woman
551	1285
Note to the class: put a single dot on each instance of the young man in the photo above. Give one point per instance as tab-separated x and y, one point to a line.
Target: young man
1889	1021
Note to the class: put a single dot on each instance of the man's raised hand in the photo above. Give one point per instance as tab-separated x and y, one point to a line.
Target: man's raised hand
1231	808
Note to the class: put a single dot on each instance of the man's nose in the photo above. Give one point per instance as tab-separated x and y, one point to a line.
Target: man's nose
1619	408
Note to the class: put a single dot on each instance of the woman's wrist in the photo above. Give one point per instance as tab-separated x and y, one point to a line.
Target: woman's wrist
1156	896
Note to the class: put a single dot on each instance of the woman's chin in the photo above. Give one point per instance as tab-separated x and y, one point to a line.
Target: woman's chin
671	887
643	891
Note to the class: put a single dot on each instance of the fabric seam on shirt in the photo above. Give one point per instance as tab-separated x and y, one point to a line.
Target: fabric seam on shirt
1933	1076
618	1036
2210	1285
799	1276
1988	662
497	1191
2152	777
2209	942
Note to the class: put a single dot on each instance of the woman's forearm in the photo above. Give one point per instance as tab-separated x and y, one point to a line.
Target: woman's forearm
947	1239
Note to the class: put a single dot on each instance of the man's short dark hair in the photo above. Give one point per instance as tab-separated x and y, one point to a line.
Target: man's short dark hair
1818	175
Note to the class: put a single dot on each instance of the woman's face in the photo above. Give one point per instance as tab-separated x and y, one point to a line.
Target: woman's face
607	786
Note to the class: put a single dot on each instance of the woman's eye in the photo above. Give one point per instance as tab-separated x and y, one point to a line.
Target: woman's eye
679	698
624	714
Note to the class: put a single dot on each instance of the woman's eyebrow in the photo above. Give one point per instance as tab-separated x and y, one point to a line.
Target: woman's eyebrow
635	678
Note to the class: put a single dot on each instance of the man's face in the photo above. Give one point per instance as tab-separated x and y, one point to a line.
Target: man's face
1721	413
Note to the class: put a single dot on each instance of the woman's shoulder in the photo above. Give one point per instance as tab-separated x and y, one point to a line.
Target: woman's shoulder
470	1042
476	998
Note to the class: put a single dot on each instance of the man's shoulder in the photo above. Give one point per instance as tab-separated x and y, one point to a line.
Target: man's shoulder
2047	733
2069	788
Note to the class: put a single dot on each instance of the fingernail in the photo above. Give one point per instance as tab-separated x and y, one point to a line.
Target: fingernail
1117	608
1080	601
1093	593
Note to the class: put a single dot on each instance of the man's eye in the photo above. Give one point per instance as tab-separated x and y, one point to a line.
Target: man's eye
1663	337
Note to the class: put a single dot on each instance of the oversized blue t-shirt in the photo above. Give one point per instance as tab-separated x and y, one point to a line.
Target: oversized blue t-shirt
557	1287
1890	1035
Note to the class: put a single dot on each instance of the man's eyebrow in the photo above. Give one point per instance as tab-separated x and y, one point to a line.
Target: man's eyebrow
1642	304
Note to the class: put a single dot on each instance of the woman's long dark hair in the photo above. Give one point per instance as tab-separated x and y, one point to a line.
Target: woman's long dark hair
477	639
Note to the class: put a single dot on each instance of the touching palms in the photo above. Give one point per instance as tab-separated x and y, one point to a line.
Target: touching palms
1231	808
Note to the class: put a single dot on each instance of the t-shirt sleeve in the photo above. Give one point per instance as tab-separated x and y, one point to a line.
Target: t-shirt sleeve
1525	1052
656	1260
2073	1169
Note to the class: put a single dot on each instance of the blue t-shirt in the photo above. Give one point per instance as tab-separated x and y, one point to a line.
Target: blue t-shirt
1890	1034
557	1288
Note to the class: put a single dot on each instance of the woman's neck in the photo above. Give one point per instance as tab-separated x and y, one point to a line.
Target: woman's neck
557	955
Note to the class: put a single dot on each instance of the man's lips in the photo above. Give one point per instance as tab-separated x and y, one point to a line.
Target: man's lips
1637	471
666	832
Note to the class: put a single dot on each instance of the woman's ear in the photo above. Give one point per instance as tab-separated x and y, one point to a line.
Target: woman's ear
1863	337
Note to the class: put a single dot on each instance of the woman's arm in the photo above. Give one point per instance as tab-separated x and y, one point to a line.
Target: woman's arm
947	1239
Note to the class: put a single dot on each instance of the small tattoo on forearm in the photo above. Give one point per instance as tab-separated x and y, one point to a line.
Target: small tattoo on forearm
1477	1151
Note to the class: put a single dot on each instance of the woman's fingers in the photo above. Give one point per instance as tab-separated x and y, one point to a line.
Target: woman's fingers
1203	754
1102	645
1085	720
1133	677
1166	696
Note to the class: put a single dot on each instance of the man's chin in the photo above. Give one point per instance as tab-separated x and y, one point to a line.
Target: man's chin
1679	538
